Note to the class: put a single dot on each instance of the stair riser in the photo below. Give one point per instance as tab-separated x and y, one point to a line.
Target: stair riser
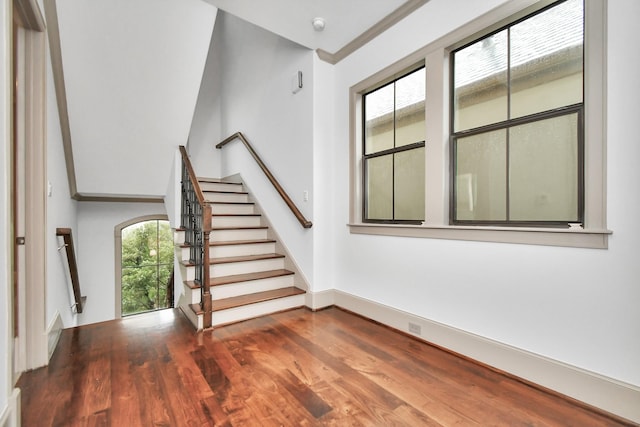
236	221
232	209
219	186
195	320
192	296
252	286
226	197
189	273
255	310
242	250
232	235
233	250
229	269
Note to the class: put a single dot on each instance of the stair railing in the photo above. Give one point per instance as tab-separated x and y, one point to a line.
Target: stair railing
303	221
65	233
196	222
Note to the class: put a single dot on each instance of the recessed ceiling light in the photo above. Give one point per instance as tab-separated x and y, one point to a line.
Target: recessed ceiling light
318	24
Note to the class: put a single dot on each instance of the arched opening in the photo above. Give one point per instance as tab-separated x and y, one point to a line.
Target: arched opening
145	265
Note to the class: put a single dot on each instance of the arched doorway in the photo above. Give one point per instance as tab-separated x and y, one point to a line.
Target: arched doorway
144	258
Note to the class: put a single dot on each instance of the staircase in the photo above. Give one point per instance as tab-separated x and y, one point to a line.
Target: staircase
250	274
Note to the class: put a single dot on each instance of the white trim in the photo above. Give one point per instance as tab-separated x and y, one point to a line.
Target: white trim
320	300
435	55
579	238
608	394
54	330
10	414
117	234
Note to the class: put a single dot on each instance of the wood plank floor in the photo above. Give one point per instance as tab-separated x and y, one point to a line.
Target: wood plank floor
295	368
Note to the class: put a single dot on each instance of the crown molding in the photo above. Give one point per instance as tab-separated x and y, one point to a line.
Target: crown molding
381	26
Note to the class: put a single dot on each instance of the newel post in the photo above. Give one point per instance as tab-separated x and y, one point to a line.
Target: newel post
206	281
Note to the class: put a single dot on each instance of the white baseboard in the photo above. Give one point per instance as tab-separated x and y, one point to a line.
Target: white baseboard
596	390
54	330
10	414
320	300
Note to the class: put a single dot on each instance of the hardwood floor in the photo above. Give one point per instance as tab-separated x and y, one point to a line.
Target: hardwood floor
295	368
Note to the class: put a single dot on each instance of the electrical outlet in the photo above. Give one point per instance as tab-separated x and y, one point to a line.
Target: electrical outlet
305	195
415	329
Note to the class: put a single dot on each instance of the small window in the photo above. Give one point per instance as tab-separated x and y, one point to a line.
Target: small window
393	150
517	122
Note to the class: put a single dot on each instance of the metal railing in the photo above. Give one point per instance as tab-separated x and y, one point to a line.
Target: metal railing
196	223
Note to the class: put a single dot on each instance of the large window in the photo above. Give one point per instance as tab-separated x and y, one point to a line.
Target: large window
514	132
394	150
516	122
147	267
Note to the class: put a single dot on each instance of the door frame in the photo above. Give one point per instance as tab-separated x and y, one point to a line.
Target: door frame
117	234
32	344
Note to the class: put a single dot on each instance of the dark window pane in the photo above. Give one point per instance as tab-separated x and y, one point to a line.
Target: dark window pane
546	60
409	185
379	186
480	83
379	111
410	97
543	177
481	185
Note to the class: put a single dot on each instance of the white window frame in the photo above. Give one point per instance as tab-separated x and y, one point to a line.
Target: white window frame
592	234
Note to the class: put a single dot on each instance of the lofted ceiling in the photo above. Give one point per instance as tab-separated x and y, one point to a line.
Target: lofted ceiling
292	19
132	72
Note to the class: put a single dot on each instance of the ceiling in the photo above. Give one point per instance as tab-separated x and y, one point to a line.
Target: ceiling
132	72
291	19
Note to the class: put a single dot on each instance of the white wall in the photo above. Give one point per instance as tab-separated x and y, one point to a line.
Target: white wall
256	99
6	342
61	212
96	253
577	306
324	176
206	129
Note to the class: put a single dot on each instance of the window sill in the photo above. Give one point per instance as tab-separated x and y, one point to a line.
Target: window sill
577	238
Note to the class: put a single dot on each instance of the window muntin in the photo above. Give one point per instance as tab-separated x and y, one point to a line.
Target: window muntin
439	179
393	150
517	110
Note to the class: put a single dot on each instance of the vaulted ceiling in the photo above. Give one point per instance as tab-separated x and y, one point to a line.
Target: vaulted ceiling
132	70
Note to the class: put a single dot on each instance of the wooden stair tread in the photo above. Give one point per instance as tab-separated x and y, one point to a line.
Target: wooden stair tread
242	300
234	242
217	181
238	214
231	259
257	227
243	258
241	242
247	277
224	192
232	203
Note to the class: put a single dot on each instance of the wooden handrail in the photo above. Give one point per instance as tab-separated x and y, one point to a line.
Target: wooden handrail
73	266
192	175
303	221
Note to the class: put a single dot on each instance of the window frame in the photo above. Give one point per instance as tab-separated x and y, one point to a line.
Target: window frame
390	151
592	234
508	124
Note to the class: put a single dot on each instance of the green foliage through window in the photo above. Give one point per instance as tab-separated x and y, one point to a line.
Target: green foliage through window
147	266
